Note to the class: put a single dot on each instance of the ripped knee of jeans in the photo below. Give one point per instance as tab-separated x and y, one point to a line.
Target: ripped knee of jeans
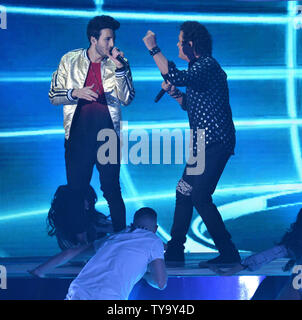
184	188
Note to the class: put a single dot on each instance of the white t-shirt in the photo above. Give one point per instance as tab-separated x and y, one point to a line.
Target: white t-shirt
119	263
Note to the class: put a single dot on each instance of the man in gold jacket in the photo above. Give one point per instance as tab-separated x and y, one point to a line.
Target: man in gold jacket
92	84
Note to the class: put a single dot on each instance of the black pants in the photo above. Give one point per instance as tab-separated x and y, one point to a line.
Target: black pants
80	158
196	191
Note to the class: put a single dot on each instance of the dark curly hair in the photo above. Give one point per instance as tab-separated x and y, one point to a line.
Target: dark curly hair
292	240
199	35
60	216
98	23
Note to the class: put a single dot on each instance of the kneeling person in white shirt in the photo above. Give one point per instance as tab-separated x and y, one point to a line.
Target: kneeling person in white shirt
120	261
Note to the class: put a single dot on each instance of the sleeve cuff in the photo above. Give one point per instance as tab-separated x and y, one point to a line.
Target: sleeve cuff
69	96
165	76
120	72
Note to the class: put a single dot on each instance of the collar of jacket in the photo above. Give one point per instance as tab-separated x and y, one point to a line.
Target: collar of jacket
85	53
200	58
106	65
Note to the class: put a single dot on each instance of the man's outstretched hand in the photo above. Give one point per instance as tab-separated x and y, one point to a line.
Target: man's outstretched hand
85	93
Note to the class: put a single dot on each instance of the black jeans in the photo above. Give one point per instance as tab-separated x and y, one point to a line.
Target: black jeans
80	157
198	193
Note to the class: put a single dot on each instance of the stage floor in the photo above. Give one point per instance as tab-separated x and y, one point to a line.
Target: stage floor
17	267
184	283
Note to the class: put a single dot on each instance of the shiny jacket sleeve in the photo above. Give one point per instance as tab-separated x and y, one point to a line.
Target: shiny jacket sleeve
124	85
59	93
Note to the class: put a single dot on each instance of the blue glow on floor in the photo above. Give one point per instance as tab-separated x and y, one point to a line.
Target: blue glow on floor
200	288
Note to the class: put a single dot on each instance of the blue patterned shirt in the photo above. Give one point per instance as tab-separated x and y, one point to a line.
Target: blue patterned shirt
206	101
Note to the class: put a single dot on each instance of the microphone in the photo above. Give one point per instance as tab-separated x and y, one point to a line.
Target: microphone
159	95
121	59
162	91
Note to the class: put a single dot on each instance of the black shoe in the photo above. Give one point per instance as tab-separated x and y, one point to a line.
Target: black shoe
174	257
222	261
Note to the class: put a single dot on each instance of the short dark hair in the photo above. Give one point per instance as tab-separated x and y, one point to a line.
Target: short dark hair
199	35
145	212
98	23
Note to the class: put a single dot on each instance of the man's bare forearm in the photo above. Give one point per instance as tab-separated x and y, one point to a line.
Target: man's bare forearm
156	276
161	62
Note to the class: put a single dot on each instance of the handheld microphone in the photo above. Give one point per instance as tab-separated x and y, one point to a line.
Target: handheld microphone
121	59
159	95
162	91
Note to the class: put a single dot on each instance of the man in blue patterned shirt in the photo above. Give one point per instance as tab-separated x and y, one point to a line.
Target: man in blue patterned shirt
206	101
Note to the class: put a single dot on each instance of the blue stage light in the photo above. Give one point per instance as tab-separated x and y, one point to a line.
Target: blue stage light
152	74
28	133
150	16
244	124
291	62
99	5
239	190
50	12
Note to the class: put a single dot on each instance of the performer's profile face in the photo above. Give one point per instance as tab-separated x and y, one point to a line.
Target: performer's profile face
105	42
180	45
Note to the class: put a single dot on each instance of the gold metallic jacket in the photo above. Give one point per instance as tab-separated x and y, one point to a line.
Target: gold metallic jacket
71	74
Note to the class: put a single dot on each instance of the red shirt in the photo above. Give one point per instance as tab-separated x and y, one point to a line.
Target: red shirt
94	115
94	77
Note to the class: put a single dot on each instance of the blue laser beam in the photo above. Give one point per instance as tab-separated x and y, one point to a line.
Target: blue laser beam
152	74
30	133
223	190
156	17
243	124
